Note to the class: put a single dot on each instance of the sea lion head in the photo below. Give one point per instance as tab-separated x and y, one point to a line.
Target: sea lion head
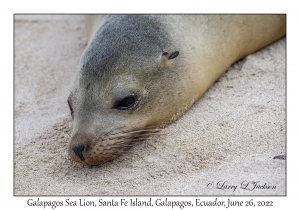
125	89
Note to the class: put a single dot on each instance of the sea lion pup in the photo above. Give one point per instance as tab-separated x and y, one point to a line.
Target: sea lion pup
141	72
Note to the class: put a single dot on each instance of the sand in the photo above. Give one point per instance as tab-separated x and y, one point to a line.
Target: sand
228	138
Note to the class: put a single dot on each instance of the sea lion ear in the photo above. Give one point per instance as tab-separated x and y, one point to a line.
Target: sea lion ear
171	55
166	58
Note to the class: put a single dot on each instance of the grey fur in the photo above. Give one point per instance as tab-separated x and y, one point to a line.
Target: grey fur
139	36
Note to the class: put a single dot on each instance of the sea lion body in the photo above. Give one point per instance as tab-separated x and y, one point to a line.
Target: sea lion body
141	72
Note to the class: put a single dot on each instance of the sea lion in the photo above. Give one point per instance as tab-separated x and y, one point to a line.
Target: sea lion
139	73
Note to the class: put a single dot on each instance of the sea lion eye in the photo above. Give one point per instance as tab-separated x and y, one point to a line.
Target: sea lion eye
126	103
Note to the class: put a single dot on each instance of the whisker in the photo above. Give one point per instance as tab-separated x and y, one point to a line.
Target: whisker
144	130
137	130
135	136
109	132
105	134
129	131
128	144
69	90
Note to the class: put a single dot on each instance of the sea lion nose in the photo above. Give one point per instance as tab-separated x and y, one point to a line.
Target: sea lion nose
78	148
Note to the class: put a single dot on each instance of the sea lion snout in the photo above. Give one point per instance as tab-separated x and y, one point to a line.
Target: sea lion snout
77	149
78	146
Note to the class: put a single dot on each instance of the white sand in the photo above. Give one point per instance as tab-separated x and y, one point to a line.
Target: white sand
230	135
